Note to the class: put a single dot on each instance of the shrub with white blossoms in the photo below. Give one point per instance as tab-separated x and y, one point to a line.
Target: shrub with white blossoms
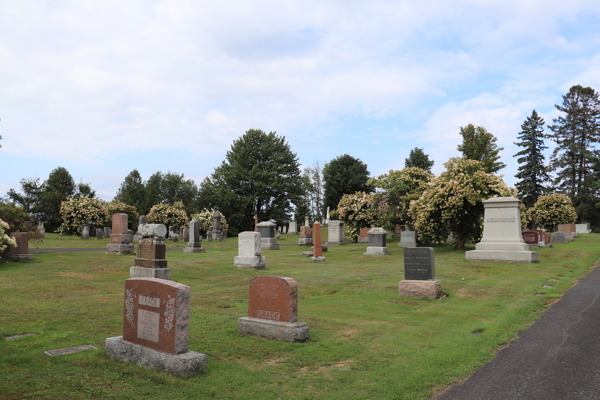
78	211
525	217
5	240
453	202
168	214
204	217
357	211
551	210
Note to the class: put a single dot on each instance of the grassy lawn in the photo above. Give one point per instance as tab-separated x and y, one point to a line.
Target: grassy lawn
365	341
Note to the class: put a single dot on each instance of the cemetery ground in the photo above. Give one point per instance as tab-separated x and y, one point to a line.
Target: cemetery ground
364	340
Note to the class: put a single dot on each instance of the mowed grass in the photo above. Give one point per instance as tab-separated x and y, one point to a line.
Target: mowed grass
365	341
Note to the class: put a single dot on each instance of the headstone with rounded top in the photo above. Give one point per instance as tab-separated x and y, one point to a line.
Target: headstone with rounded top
306	221
272	310
559	237
502	240
155	328
377	242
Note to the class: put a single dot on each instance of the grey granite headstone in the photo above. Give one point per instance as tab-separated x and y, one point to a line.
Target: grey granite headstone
186	234
99	233
194	243
249	246
85	232
292	228
419	263
407	239
106	234
377	242
559	237
267	235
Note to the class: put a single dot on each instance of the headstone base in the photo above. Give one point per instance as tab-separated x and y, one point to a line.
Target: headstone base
275	330
407	244
503	256
115	248
269	244
19	257
337	243
546	245
318	258
256	262
420	289
534	245
143	272
371	250
363	240
193	249
185	364
305	242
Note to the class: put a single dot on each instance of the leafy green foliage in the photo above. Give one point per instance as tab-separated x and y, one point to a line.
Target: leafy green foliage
132	192
357	211
399	189
260	175
205	219
532	171
168	214
344	175
55	190
551	210
417	158
31	189
453	202
16	218
479	144
78	211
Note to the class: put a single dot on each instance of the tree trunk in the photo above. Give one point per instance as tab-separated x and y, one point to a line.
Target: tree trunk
460	242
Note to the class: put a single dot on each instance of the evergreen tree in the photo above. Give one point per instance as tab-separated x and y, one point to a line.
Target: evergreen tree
532	171
174	187
85	190
575	135
418	158
132	192
344	175
152	192
59	186
32	189
479	144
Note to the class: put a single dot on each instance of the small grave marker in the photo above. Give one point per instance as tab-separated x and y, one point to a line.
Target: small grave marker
69	350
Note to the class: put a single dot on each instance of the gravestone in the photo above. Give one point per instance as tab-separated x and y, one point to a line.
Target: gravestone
216	226
583	228
559	237
42	230
567	230
502	239
120	238
151	256
317	251
547	239
377	242
267	236
419	273
306	221
142	221
173	235
531	238
186	234
99	233
106	234
194	242
85	232
364	235
292	229
249	254
305	236
155	328
408	239
272	310
397	232
327	217
21	250
335	230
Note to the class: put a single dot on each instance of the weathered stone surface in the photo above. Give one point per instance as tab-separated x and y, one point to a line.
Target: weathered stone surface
407	239
269	244
186	234
144	272
274	330
364	235
69	350
583	228
21	250
316	249
335	232
305	242
419	263
85	232
42	231
99	233
292	228
273	298
420	289
184	364
377	237
114	248
377	251
306	221
119	223
158	231
106	234
267	229
249	250
559	237
502	239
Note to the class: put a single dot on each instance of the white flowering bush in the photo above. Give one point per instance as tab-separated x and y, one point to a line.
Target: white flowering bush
399	189
78	211
204	217
525	217
453	202
118	207
551	210
357	211
167	214
5	240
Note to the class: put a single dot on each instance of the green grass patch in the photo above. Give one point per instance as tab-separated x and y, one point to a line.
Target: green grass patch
365	340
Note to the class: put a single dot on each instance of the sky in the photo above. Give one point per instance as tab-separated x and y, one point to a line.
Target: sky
102	88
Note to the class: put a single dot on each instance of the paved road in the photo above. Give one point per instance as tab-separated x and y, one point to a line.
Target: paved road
557	358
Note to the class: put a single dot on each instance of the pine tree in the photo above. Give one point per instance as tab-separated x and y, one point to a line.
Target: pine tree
575	135
132	192
479	144
418	158
532	171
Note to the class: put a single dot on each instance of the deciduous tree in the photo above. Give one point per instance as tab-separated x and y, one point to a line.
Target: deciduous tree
344	175
479	144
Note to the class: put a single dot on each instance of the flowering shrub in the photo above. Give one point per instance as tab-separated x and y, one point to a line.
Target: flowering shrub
551	210
400	188
357	211
5	240
525	217
116	207
452	202
167	214
204	217
78	211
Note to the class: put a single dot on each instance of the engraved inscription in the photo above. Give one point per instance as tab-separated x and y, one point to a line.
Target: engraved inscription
506	219
268	314
148	323
149	301
418	264
266	291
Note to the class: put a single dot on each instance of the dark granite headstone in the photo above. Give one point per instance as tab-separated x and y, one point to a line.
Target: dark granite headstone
419	263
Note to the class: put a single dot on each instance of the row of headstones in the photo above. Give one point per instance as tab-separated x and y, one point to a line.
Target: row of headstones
565	233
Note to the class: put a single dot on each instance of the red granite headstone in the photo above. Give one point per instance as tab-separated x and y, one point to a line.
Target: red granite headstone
547	238
364	232
573	228
305	232
119	229
316	249
156	314
22	239
530	237
272	298
565	228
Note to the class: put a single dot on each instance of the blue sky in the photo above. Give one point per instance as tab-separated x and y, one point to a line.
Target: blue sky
101	88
